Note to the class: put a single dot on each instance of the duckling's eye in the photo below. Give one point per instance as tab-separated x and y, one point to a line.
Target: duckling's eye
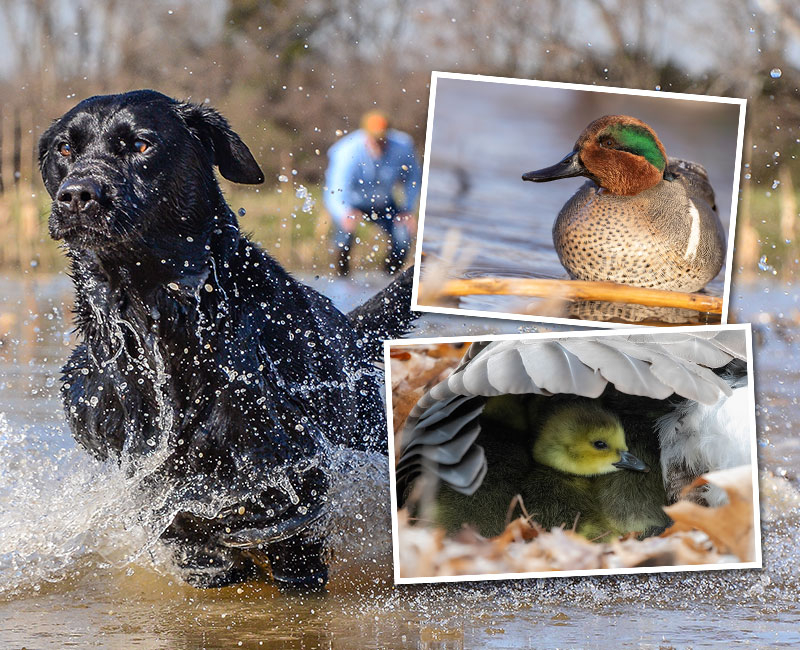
65	150
140	146
600	444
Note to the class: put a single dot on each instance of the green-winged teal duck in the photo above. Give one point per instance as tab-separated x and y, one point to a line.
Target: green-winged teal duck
642	220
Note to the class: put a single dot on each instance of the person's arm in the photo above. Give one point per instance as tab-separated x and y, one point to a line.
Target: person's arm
338	178
411	178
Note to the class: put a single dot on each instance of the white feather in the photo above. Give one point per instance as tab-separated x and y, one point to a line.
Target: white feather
694	233
705	438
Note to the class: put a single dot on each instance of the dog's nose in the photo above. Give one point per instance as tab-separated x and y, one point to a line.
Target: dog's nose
80	195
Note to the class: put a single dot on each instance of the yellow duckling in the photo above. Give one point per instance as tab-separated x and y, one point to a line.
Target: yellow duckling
642	220
555	473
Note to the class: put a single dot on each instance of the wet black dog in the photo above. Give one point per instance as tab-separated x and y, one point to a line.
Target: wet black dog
204	366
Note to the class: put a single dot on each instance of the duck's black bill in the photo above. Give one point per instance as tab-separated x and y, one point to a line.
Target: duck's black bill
629	461
567	168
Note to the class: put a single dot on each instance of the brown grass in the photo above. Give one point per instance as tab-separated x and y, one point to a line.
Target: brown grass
274	216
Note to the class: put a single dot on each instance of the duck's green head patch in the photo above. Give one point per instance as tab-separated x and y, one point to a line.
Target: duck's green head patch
634	139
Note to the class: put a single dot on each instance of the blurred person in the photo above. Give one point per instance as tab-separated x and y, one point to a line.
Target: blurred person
364	169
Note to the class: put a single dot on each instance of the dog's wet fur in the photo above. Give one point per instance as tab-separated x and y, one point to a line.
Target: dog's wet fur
197	348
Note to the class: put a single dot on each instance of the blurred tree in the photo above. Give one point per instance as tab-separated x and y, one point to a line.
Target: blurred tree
293	75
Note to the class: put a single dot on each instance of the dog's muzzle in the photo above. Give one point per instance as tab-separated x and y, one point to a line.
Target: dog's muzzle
76	208
79	197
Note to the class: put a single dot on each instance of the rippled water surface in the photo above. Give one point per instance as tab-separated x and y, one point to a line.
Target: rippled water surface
77	568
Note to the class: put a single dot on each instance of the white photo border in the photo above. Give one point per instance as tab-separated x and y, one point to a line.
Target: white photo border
395	343
435	76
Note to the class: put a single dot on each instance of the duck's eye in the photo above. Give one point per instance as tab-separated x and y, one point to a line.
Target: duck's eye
140	146
600	444
608	142
65	150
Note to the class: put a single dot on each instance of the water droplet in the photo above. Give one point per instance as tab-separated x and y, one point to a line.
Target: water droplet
241	212
775	73
764	266
283	178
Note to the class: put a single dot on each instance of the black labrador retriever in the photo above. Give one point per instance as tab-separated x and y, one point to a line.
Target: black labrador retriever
204	366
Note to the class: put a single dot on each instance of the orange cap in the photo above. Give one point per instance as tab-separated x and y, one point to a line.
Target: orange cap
375	124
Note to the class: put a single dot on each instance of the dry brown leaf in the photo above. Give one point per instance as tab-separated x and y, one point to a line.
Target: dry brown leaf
523	547
730	526
403	399
414	369
520	529
452	351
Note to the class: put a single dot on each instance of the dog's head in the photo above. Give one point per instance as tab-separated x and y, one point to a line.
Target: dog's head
119	167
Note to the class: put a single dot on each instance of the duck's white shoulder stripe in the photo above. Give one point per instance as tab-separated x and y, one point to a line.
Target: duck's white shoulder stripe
694	233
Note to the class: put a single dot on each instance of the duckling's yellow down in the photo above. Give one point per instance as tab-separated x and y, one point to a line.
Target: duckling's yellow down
555	455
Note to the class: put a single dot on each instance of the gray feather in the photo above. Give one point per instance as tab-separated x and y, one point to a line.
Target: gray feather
628	373
444	433
704	352
466	477
684	378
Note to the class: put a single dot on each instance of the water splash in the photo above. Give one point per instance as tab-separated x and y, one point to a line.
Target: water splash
357	528
308	200
65	511
764	266
61	508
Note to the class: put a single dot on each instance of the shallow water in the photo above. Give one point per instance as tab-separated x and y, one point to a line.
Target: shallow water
485	136
76	568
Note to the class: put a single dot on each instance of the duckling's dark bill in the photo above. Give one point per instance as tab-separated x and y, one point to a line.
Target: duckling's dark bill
570	166
629	461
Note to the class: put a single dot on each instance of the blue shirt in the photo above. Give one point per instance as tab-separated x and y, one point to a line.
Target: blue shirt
355	179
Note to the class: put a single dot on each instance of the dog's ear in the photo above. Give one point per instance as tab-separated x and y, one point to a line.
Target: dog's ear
45	147
227	150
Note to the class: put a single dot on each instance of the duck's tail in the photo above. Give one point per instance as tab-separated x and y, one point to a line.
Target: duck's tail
387	315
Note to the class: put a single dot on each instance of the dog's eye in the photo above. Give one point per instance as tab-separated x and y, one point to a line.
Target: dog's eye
65	150
140	146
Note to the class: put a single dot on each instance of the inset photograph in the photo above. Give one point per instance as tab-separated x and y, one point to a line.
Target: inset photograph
581	453
562	203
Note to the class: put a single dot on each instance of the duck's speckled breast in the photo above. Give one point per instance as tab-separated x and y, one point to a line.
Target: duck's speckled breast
662	238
